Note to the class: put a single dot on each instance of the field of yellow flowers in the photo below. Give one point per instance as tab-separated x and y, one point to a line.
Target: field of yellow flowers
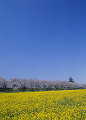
43	105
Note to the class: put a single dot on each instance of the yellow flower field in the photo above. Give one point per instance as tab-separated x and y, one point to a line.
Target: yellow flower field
43	105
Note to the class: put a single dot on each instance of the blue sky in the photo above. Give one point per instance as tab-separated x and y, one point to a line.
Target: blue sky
43	39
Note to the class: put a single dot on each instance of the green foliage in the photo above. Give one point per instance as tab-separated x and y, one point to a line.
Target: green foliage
71	79
6	90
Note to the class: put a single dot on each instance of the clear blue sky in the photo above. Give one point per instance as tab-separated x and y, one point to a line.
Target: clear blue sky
43	39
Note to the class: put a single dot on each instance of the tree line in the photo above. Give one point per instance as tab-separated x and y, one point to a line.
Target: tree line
16	84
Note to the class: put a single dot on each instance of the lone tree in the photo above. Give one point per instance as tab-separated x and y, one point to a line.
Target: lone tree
71	79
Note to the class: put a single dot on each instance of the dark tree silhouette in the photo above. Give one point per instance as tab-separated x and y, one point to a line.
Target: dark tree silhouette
71	79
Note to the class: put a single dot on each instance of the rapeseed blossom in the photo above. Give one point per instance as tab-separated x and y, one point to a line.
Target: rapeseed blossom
43	105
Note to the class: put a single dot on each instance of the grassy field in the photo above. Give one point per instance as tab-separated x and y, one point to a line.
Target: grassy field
43	105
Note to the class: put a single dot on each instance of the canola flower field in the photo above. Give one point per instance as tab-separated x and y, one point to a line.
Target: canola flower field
43	105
